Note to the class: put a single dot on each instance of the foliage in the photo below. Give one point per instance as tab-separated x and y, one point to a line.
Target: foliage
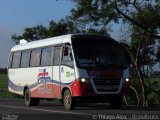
3	70
64	26
40	32
154	91
153	97
94	13
143	46
102	12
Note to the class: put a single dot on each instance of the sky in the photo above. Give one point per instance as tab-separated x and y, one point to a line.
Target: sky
16	15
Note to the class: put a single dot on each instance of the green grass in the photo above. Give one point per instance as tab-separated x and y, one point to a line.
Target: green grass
4	93
3	81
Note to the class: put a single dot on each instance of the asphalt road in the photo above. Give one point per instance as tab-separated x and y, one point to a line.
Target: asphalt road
14	109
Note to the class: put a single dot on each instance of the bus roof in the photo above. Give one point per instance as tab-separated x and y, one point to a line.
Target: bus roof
56	40
43	42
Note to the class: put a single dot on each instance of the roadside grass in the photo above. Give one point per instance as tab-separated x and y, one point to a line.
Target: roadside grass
3	81
4	93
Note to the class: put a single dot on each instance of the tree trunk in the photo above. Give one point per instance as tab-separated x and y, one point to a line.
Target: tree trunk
142	83
134	59
135	93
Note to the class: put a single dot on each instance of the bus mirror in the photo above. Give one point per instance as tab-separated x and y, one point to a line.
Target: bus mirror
65	51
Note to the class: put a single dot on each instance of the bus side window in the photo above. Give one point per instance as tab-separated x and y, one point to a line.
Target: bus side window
25	58
10	60
35	57
46	56
57	51
16	60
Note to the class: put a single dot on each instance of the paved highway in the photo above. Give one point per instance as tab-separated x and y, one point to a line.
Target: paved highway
14	109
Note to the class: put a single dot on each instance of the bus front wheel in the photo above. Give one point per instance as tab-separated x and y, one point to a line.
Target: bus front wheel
68	101
29	101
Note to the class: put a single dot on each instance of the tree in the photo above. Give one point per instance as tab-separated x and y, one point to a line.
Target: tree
101	12
40	32
143	49
139	6
3	70
64	26
142	15
93	14
32	34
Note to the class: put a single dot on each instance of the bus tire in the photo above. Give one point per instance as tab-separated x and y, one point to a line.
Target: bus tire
116	102
68	100
29	101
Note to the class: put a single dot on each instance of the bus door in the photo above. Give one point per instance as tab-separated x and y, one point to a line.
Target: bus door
56	71
67	72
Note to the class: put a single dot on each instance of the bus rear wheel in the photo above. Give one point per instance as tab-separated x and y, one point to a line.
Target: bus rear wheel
68	101
29	101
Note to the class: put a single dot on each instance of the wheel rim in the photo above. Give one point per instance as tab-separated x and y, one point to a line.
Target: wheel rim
67	101
27	98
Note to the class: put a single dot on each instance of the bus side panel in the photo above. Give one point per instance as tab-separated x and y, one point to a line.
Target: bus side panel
37	79
16	80
67	75
56	82
42	86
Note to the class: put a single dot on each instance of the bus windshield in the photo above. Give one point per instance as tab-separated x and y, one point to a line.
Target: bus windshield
100	54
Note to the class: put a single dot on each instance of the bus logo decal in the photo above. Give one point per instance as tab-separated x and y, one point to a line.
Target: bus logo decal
43	78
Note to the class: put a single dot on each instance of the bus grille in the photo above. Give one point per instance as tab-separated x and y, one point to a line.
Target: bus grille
106	85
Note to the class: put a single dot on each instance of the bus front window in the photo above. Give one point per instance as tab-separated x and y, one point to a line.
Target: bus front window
100	56
103	56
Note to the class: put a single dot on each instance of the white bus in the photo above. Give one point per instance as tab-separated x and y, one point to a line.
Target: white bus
73	68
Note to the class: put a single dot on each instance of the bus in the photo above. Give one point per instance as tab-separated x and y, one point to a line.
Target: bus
72	68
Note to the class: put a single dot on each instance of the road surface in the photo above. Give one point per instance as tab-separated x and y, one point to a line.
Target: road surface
14	109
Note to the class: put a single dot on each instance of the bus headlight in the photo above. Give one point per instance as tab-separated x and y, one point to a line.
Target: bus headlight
83	80
126	79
